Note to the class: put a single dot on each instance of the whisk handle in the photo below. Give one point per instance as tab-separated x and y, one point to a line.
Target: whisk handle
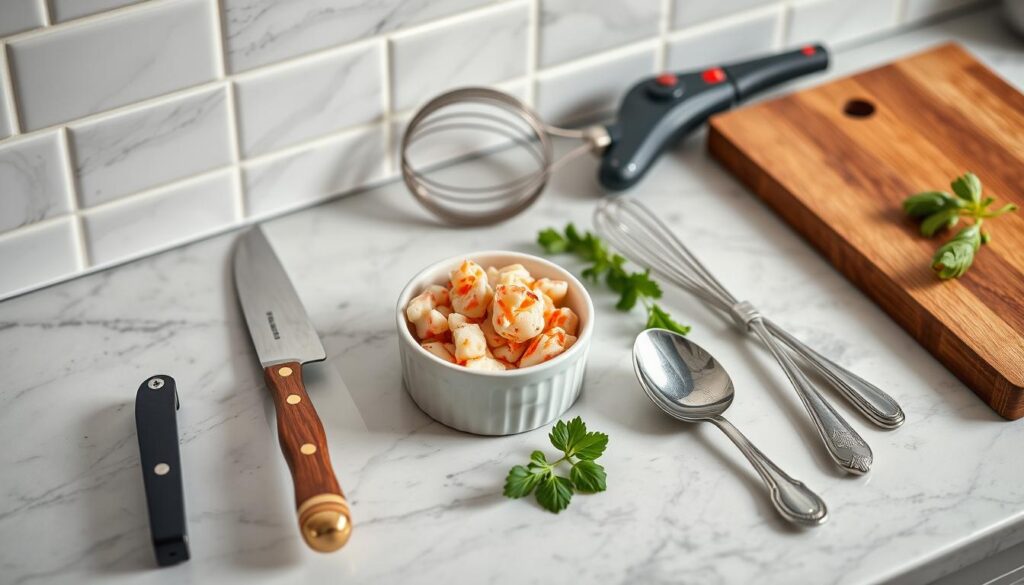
756	75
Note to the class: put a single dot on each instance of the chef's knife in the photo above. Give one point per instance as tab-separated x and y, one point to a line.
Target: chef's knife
284	340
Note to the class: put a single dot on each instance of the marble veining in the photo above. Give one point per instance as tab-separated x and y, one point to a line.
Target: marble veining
149	146
682	505
33	180
259	32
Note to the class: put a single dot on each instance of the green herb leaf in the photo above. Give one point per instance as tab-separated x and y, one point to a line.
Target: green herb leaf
659	319
946	218
953	258
521	481
967	187
926	203
554	493
552	241
588	477
590	446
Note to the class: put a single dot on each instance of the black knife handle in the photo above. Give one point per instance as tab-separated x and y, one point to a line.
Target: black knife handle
156	404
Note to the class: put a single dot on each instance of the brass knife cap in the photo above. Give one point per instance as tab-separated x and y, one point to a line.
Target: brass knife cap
325	523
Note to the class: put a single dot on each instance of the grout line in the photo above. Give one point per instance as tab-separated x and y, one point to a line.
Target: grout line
385	98
726	21
159	190
74	201
598	58
236	148
89	18
664	25
782	29
452	19
532	51
8	92
47	17
309	144
216	6
901	8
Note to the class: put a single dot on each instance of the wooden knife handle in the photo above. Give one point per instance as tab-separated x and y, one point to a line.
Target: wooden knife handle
321	506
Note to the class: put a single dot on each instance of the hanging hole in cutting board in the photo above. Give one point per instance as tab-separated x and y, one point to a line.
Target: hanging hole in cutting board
859	108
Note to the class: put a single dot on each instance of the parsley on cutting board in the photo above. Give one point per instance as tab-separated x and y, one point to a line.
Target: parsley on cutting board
631	286
939	210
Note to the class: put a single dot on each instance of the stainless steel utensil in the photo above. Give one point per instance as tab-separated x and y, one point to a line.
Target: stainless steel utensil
454	172
635	231
686	382
285	340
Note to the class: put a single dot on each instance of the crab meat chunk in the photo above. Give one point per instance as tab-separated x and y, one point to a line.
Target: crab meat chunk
455	320
493	339
485	364
514	274
470	292
469	343
564	318
518	313
420	305
510	352
556	289
439	294
440	349
431	326
546	346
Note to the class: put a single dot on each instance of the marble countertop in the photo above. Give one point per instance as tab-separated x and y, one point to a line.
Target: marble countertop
682	505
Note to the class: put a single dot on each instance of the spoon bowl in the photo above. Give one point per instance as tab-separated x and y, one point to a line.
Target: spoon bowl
688	383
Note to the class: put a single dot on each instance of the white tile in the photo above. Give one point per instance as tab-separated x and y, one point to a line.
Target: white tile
477	51
33	180
577	28
6	109
36	255
83	69
837	21
259	32
20	15
580	92
64	10
314	173
733	40
154	221
291	104
690	12
147	146
921	9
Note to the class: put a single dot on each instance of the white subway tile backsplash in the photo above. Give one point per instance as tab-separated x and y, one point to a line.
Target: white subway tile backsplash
732	40
570	29
323	95
37	255
921	9
33	180
158	220
837	21
260	32
20	15
83	69
690	12
128	126
577	93
488	48
148	146
315	173
64	10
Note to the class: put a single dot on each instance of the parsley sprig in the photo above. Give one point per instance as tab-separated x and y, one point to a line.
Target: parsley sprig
579	449
632	287
939	210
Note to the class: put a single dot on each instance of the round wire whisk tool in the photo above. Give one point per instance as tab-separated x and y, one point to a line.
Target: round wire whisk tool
477	155
633	229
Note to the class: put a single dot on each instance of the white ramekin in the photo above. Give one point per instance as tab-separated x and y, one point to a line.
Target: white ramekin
494	403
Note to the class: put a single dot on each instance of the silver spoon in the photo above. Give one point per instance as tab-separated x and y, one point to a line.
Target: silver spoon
685	381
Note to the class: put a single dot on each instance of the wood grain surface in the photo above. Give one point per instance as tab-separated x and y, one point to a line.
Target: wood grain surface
839	180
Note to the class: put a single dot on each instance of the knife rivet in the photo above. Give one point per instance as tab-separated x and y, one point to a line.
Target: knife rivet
161	469
284	372
308	448
155	383
293	399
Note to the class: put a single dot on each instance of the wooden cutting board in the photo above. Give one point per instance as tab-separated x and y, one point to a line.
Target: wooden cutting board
839	178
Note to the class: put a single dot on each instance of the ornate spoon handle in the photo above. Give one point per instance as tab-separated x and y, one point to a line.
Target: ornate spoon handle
843	443
792	499
877	406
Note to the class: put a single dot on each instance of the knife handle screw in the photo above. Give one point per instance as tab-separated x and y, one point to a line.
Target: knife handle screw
284	372
308	448
293	399
155	383
161	469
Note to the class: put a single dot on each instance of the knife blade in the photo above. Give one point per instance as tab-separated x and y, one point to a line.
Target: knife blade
285	340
